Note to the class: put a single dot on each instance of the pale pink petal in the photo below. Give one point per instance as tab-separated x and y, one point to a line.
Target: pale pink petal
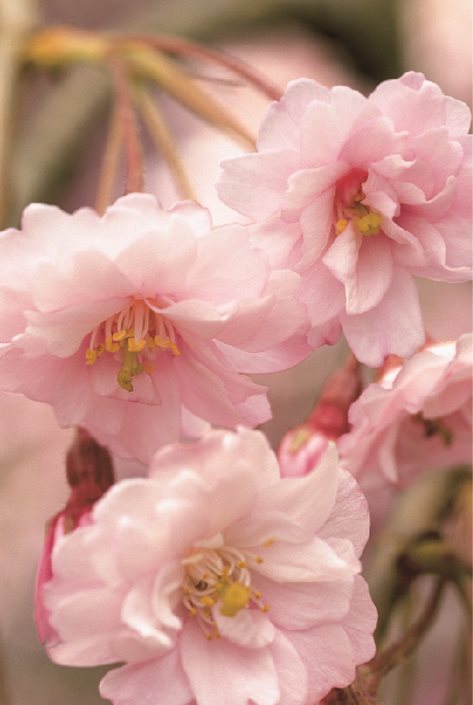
140	682
394	326
305	605
280	127
291	671
315	560
211	666
249	628
327	654
254	184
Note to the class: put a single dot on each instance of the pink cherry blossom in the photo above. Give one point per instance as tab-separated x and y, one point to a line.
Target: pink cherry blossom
359	194
416	419
137	325
217	581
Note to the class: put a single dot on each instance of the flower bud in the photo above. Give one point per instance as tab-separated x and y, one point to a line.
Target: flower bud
302	447
89	473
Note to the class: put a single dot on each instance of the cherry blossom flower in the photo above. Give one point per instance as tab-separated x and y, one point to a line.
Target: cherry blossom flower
217	581
302	446
136	325
359	194
416	419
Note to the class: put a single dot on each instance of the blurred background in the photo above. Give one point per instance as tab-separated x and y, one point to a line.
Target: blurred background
50	145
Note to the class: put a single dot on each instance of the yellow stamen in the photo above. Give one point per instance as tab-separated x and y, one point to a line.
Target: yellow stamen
135	345
110	346
90	356
341	225
268	542
119	336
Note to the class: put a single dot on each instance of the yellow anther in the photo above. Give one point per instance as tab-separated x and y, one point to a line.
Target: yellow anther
268	542
174	349
119	335
192	611
110	346
207	601
135	345
233	598
265	608
90	356
241	564
150	342
257	595
369	223
162	342
148	368
259	560
341	225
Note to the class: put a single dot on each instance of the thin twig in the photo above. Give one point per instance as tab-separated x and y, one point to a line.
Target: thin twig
186	47
163	139
16	20
134	158
393	655
110	161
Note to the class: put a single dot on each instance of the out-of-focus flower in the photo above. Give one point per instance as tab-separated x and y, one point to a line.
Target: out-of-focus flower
89	472
359	194
136	325
302	447
218	581
417	418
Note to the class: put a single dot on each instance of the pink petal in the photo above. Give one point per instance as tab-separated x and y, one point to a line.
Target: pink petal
349	518
294	606
280	126
394	326
363	265
254	184
249	628
291	671
224	673
141	682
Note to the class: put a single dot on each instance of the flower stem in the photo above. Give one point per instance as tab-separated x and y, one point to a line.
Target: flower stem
16	20
134	158
393	655
163	139
185	47
110	160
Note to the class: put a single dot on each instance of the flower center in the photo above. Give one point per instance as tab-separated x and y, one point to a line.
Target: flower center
134	336
435	427
219	577
365	220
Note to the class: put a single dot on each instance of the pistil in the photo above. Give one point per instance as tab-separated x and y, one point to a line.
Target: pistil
219	577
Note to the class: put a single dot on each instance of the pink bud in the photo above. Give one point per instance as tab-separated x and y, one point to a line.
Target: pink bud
89	472
302	447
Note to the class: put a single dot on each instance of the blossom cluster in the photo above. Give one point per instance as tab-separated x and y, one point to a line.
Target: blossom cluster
143	325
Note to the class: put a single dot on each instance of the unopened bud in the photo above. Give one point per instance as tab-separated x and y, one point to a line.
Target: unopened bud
89	472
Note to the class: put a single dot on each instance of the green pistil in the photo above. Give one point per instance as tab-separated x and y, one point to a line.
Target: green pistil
131	368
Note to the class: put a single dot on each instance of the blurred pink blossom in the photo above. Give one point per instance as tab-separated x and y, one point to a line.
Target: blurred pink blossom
216	581
137	325
358	194
416	419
